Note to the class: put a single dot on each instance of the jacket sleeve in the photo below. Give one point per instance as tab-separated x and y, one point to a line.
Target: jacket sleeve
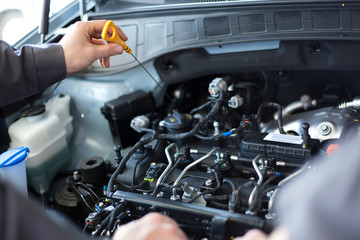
21	219
29	70
323	203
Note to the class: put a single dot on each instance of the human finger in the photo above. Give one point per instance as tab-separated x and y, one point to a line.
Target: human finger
107	50
97	28
106	62
101	62
171	225
253	234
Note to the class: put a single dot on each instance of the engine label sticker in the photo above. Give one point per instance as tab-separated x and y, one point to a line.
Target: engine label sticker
283	138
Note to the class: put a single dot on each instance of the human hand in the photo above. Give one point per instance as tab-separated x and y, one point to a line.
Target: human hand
253	234
150	227
280	233
82	45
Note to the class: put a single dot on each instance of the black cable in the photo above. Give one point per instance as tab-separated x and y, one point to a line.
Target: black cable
234	196
89	190
109	219
82	198
114	214
233	186
261	191
201	107
279	108
120	168
211	138
218	184
103	224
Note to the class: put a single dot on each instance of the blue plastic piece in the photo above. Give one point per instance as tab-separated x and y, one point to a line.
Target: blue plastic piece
225	134
13	156
278	174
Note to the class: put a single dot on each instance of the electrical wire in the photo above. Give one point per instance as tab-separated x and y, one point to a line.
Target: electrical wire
120	168
218	184
234	197
108	222
262	190
82	198
279	109
233	186
201	107
87	188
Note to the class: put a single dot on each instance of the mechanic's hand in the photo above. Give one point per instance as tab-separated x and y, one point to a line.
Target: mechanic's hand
150	227
82	45
280	233
253	234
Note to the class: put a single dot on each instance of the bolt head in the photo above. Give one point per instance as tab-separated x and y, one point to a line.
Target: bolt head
208	182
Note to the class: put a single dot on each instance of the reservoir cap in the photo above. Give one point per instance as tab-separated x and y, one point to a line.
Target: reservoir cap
13	156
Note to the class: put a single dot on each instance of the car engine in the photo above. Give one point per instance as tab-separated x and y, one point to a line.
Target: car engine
213	156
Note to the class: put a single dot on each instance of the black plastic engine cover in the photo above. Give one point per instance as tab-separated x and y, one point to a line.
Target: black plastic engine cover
120	111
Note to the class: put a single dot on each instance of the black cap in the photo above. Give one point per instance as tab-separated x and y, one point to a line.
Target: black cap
178	121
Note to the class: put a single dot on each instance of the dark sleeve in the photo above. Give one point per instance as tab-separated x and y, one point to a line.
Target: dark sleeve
29	70
324	203
21	219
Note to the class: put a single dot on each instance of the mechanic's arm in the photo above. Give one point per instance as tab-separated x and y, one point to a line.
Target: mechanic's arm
31	69
21	219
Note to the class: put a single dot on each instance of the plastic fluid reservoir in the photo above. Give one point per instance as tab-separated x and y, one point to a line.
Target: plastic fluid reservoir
46	131
13	170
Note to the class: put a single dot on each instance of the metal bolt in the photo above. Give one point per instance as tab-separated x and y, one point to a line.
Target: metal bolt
269	193
325	129
270	216
175	197
160	194
208	182
248	212
76	176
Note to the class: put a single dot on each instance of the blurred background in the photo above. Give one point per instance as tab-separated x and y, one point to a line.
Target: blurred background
18	17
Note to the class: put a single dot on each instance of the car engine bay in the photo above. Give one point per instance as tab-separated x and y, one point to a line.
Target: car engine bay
211	143
214	154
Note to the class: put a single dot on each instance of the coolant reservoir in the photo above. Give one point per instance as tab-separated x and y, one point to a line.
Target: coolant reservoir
45	130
